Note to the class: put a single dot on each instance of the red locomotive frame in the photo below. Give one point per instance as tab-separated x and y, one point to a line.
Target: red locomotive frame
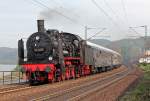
68	73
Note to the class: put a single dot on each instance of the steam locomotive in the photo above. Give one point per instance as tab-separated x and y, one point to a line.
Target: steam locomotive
55	56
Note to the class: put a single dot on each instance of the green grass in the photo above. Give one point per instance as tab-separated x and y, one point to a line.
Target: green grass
145	67
142	91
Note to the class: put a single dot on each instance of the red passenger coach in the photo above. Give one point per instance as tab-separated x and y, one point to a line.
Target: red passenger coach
51	56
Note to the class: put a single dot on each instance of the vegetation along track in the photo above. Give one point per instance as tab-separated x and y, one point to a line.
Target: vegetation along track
78	92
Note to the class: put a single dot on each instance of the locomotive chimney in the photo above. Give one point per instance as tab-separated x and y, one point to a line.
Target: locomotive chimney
40	25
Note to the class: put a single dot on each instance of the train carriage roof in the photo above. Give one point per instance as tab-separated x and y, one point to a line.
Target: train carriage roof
102	48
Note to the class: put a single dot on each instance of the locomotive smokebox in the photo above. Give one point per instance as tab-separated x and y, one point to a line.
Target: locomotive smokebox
40	25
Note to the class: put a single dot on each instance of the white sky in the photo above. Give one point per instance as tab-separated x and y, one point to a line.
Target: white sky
18	17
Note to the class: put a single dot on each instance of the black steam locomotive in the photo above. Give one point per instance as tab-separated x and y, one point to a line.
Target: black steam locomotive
54	56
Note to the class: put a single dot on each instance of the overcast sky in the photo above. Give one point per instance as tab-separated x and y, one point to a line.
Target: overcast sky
18	17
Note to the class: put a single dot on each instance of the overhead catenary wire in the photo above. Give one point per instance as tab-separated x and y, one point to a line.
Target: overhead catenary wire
107	4
106	14
39	2
96	34
62	7
58	3
134	31
124	10
59	13
125	15
138	34
125	21
113	11
102	10
124	7
32	2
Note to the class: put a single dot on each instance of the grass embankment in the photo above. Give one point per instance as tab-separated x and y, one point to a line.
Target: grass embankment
142	91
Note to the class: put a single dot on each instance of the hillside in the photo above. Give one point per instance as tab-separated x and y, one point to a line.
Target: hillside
103	42
8	55
131	49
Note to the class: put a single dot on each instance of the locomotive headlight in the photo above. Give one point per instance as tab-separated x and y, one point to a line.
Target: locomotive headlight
50	58
37	38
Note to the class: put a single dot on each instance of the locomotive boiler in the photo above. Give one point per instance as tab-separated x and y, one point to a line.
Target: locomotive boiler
55	56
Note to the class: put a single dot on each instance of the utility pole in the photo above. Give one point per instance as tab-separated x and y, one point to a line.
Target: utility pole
86	32
145	37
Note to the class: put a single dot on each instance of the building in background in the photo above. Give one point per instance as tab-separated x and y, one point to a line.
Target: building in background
145	58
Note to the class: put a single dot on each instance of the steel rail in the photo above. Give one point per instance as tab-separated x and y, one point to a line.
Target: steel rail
13	89
102	87
67	91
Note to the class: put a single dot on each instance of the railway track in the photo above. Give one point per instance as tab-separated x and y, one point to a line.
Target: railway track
19	87
27	94
79	92
14	88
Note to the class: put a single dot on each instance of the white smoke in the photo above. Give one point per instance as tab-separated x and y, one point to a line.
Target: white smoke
73	18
